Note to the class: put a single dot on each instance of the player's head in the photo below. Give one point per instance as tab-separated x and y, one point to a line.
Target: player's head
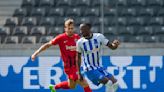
69	27
85	29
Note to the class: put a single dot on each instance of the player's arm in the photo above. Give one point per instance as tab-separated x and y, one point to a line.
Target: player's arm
78	58
106	42
42	48
114	45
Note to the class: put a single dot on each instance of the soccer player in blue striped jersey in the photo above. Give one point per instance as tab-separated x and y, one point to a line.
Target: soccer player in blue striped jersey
89	50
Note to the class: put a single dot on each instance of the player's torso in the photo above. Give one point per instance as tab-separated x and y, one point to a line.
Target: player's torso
91	45
67	47
91	52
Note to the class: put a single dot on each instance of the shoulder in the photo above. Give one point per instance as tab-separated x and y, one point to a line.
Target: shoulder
80	40
76	36
97	35
58	37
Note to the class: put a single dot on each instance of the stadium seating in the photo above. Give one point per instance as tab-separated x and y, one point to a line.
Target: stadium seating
45	39
46	3
159	31
11	40
28	3
145	31
137	3
92	12
154	2
46	21
110	31
82	3
20	12
95	3
56	12
161	12
110	12
0	41
63	3
160	38
125	31
11	22
37	12
121	21
127	20
150	39
128	12
29	40
73	12
53	31
135	39
20	31
29	21
4	31
38	31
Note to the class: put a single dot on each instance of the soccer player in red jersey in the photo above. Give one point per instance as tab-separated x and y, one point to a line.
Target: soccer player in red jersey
67	45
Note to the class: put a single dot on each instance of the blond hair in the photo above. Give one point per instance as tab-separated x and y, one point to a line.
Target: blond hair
68	22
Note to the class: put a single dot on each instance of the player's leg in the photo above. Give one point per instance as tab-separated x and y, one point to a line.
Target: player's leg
72	83
85	85
75	80
61	85
109	80
99	76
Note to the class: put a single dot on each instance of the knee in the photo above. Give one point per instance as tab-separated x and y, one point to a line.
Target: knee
104	80
113	79
72	85
83	83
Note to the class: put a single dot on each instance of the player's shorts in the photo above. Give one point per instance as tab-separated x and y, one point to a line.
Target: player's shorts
96	75
72	73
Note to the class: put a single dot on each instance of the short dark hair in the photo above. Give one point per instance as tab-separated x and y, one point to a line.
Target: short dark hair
86	24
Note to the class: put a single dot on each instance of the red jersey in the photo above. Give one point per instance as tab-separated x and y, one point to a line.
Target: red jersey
67	47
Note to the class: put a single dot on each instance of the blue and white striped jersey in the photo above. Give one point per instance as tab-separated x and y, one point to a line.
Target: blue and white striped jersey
91	51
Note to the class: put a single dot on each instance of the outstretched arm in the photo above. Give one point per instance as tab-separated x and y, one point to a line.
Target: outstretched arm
113	45
42	48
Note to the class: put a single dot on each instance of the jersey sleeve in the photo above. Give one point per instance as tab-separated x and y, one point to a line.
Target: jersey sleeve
56	40
103	39
78	47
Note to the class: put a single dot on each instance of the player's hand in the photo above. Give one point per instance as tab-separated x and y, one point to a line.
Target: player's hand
116	43
33	56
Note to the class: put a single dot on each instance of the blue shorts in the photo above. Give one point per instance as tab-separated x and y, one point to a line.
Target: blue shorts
96	75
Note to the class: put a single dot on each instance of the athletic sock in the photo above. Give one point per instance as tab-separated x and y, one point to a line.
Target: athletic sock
62	85
109	86
87	89
115	86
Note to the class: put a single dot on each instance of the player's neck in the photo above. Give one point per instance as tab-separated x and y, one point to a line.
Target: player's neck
90	36
69	35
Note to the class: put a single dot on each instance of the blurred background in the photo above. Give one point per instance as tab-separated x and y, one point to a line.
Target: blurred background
139	25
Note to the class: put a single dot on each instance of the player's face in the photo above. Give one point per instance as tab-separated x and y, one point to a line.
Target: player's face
85	31
69	29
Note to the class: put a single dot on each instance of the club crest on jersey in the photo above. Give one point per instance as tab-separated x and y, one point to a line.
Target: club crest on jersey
65	41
